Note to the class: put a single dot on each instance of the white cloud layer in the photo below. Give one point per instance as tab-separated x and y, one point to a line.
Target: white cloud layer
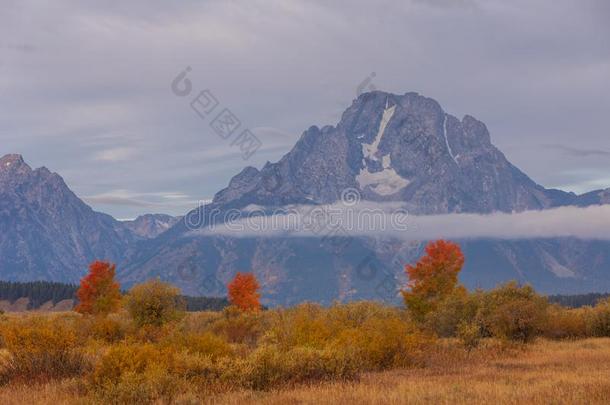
389	222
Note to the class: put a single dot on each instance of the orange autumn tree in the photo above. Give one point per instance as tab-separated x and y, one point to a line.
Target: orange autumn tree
99	293
243	292
433	278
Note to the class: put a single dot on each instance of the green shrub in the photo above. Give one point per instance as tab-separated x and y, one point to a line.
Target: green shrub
458	307
154	303
469	334
513	312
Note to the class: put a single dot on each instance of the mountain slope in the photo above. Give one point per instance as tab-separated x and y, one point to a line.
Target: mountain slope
47	232
396	148
389	148
150	225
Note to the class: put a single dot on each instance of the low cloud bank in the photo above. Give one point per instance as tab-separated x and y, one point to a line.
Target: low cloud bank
387	220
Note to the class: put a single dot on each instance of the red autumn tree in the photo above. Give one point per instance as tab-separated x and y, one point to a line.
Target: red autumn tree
433	277
99	293
243	292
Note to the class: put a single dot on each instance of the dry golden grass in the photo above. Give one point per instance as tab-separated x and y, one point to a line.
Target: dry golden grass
558	372
546	372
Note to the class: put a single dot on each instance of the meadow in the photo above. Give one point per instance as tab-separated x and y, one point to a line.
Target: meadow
445	344
349	353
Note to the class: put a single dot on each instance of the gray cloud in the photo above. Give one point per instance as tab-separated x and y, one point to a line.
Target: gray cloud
19	47
114	200
577	152
152	202
97	81
382	220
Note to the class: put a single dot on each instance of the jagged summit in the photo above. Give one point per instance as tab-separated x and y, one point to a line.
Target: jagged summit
399	148
13	164
47	232
6	160
394	148
151	225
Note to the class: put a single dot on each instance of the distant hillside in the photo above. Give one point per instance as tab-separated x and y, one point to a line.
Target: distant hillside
577	301
17	296
50	296
48	233
151	225
194	304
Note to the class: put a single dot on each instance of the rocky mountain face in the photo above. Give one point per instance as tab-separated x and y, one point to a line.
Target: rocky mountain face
395	148
598	197
47	232
388	148
151	225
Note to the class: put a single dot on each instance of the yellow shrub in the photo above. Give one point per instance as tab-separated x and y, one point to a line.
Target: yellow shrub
150	333
41	349
457	308
239	326
600	319
469	334
199	322
356	313
206	344
269	367
130	371
122	359
304	325
145	373
382	343
200	369
105	329
155	383
566	322
513	312
311	325
154	303
135	373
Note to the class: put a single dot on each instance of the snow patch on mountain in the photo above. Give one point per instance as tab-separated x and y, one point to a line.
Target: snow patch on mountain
557	268
386	181
370	151
447	140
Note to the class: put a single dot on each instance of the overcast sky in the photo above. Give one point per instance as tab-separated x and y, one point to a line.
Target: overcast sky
85	89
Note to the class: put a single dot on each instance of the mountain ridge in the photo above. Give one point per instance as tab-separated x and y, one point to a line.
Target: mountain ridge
48	233
388	147
446	165
287	181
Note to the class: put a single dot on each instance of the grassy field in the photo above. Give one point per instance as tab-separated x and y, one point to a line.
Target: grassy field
558	372
546	372
506	345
